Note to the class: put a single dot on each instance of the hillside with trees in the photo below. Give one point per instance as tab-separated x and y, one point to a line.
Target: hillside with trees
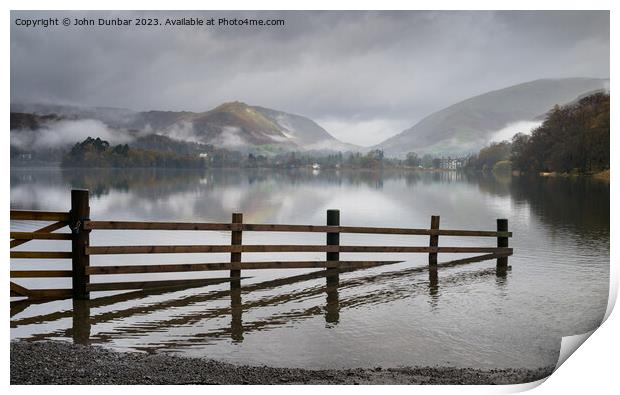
572	139
466	126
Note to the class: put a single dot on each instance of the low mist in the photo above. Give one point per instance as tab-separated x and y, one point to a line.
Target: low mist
511	129
364	132
179	131
230	138
64	133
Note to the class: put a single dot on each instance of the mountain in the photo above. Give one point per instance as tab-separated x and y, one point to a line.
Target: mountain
303	131
236	125
233	125
27	121
467	126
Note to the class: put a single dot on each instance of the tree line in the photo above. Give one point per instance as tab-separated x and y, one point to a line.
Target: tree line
95	152
572	138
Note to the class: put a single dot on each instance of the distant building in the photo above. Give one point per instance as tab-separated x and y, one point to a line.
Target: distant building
452	163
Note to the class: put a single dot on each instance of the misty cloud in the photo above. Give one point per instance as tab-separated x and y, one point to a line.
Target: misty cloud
507	132
63	133
179	131
351	68
365	132
230	138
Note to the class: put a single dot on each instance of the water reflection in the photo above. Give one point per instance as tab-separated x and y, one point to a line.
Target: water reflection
236	312
332	305
175	310
502	273
581	202
433	285
559	284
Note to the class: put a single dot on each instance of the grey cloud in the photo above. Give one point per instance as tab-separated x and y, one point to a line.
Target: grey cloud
352	67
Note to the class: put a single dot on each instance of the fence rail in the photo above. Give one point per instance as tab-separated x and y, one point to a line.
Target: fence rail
191	267
133	225
78	220
39	215
203	249
43	231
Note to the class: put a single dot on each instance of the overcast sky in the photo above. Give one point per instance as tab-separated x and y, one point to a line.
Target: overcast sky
364	76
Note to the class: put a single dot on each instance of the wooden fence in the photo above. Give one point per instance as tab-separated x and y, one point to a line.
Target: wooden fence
79	222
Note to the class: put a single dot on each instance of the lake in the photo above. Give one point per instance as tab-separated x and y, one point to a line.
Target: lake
393	315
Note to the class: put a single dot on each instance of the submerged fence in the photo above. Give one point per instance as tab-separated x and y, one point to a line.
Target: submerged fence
79	222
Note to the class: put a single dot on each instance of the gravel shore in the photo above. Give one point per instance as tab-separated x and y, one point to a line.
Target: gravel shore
65	363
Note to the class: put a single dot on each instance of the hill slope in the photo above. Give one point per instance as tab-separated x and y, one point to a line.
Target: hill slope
233	125
467	126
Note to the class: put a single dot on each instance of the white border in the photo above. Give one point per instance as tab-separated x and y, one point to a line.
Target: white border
592	369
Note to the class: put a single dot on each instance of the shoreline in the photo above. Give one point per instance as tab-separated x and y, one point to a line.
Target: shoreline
53	362
603	175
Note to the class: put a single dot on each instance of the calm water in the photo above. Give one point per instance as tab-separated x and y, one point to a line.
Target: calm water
394	315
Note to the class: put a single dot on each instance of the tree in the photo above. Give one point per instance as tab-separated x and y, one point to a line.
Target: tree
427	161
571	138
490	155
519	151
97	153
413	159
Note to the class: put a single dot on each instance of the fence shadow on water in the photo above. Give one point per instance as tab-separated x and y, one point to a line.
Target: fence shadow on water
316	294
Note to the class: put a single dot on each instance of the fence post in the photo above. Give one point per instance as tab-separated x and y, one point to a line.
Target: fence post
434	241
433	281
81	321
80	212
333	239
332	302
236	240
236	312
502	242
